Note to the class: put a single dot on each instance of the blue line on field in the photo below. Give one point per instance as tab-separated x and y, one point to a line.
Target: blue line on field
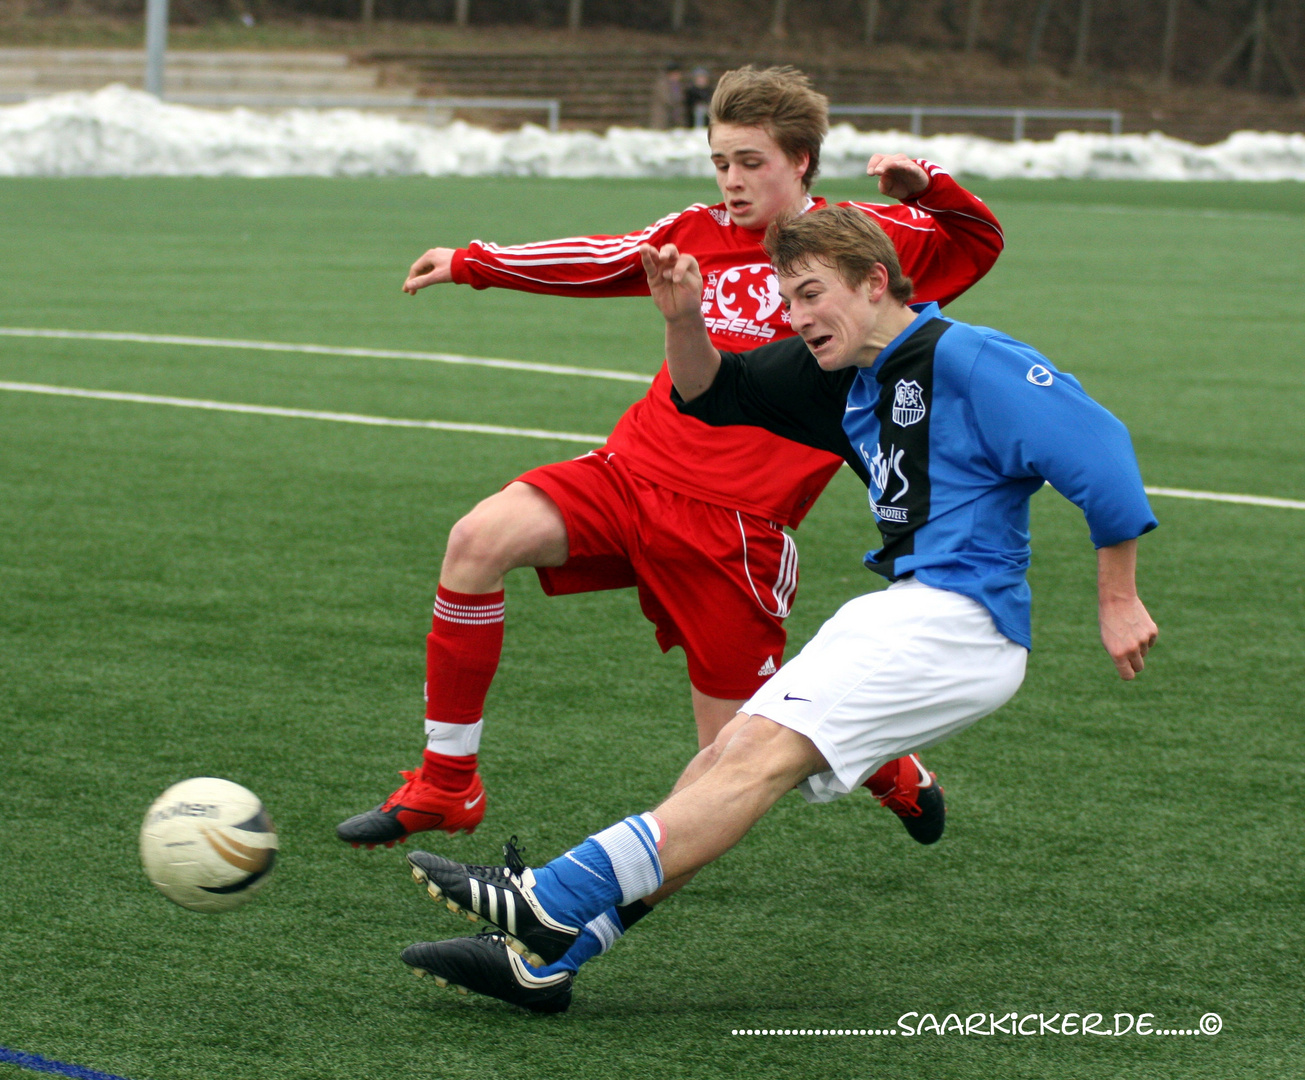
40	1064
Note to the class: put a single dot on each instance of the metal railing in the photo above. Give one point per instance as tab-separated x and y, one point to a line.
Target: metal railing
1017	116
432	106
917	113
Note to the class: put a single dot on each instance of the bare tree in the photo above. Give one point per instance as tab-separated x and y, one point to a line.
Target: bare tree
871	21
1167	43
778	27
1081	38
1035	35
1263	42
972	18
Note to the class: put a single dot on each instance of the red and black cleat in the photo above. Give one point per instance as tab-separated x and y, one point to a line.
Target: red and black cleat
913	793
416	807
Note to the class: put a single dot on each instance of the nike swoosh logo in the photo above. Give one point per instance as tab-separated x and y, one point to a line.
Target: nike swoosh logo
790	697
925	778
469	805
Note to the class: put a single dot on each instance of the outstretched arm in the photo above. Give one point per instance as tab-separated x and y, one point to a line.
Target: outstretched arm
675	283
433	268
1127	631
583	266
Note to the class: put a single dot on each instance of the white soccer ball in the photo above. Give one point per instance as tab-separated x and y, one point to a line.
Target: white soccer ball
207	844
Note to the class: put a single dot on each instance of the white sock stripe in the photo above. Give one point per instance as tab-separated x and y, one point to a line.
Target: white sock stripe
453	740
654	827
470	608
605	929
467	620
633	857
460	613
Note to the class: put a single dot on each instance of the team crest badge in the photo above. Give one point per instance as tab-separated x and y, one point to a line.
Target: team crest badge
908	403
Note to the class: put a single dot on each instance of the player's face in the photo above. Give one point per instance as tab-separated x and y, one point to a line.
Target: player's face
836	321
756	178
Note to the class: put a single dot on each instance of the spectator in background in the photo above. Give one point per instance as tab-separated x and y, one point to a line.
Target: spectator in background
698	92
668	98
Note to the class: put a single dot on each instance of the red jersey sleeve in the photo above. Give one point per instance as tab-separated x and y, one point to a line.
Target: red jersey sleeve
572	266
946	238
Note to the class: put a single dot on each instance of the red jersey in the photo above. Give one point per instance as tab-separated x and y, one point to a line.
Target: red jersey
946	240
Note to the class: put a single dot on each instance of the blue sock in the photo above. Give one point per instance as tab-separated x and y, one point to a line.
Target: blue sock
612	867
597	937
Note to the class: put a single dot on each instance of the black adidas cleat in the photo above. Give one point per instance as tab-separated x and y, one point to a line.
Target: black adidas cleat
485	965
502	896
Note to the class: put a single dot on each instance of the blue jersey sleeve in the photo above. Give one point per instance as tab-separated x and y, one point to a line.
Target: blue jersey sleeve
1035	421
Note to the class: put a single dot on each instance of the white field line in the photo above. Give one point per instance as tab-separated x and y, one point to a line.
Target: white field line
493	429
325	350
300	414
1218	496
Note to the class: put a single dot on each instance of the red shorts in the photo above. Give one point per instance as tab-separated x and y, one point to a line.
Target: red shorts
714	581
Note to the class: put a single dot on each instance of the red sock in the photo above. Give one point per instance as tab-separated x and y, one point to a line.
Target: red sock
462	653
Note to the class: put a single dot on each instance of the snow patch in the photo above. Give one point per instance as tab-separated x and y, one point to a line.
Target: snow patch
122	132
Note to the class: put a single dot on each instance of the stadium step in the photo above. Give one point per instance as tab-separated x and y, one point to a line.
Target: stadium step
47	71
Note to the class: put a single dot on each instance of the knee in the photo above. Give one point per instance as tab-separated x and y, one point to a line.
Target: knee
471	541
765	750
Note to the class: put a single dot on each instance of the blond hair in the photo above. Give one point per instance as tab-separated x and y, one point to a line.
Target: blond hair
780	101
844	238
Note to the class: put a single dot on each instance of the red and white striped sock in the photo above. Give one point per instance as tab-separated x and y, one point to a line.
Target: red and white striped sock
462	654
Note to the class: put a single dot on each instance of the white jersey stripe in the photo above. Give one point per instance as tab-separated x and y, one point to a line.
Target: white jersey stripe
595	242
551	281
877	211
972	217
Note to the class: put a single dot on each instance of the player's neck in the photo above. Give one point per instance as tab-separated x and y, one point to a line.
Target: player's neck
891	318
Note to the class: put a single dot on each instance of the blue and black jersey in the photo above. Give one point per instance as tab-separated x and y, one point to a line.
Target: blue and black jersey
953	428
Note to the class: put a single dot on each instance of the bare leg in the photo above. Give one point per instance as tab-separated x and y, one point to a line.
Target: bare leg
518	526
711	715
737	780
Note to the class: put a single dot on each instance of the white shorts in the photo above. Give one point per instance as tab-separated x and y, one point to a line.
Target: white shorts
891	673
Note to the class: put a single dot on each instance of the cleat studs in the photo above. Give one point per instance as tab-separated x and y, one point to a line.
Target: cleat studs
472	917
516	946
440	981
419	972
534	960
451	905
419	875
371	847
356	844
460	989
389	843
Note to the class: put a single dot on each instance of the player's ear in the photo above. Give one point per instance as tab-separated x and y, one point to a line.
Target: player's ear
876	283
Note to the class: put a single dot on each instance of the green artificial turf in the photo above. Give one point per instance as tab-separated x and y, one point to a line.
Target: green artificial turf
187	593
